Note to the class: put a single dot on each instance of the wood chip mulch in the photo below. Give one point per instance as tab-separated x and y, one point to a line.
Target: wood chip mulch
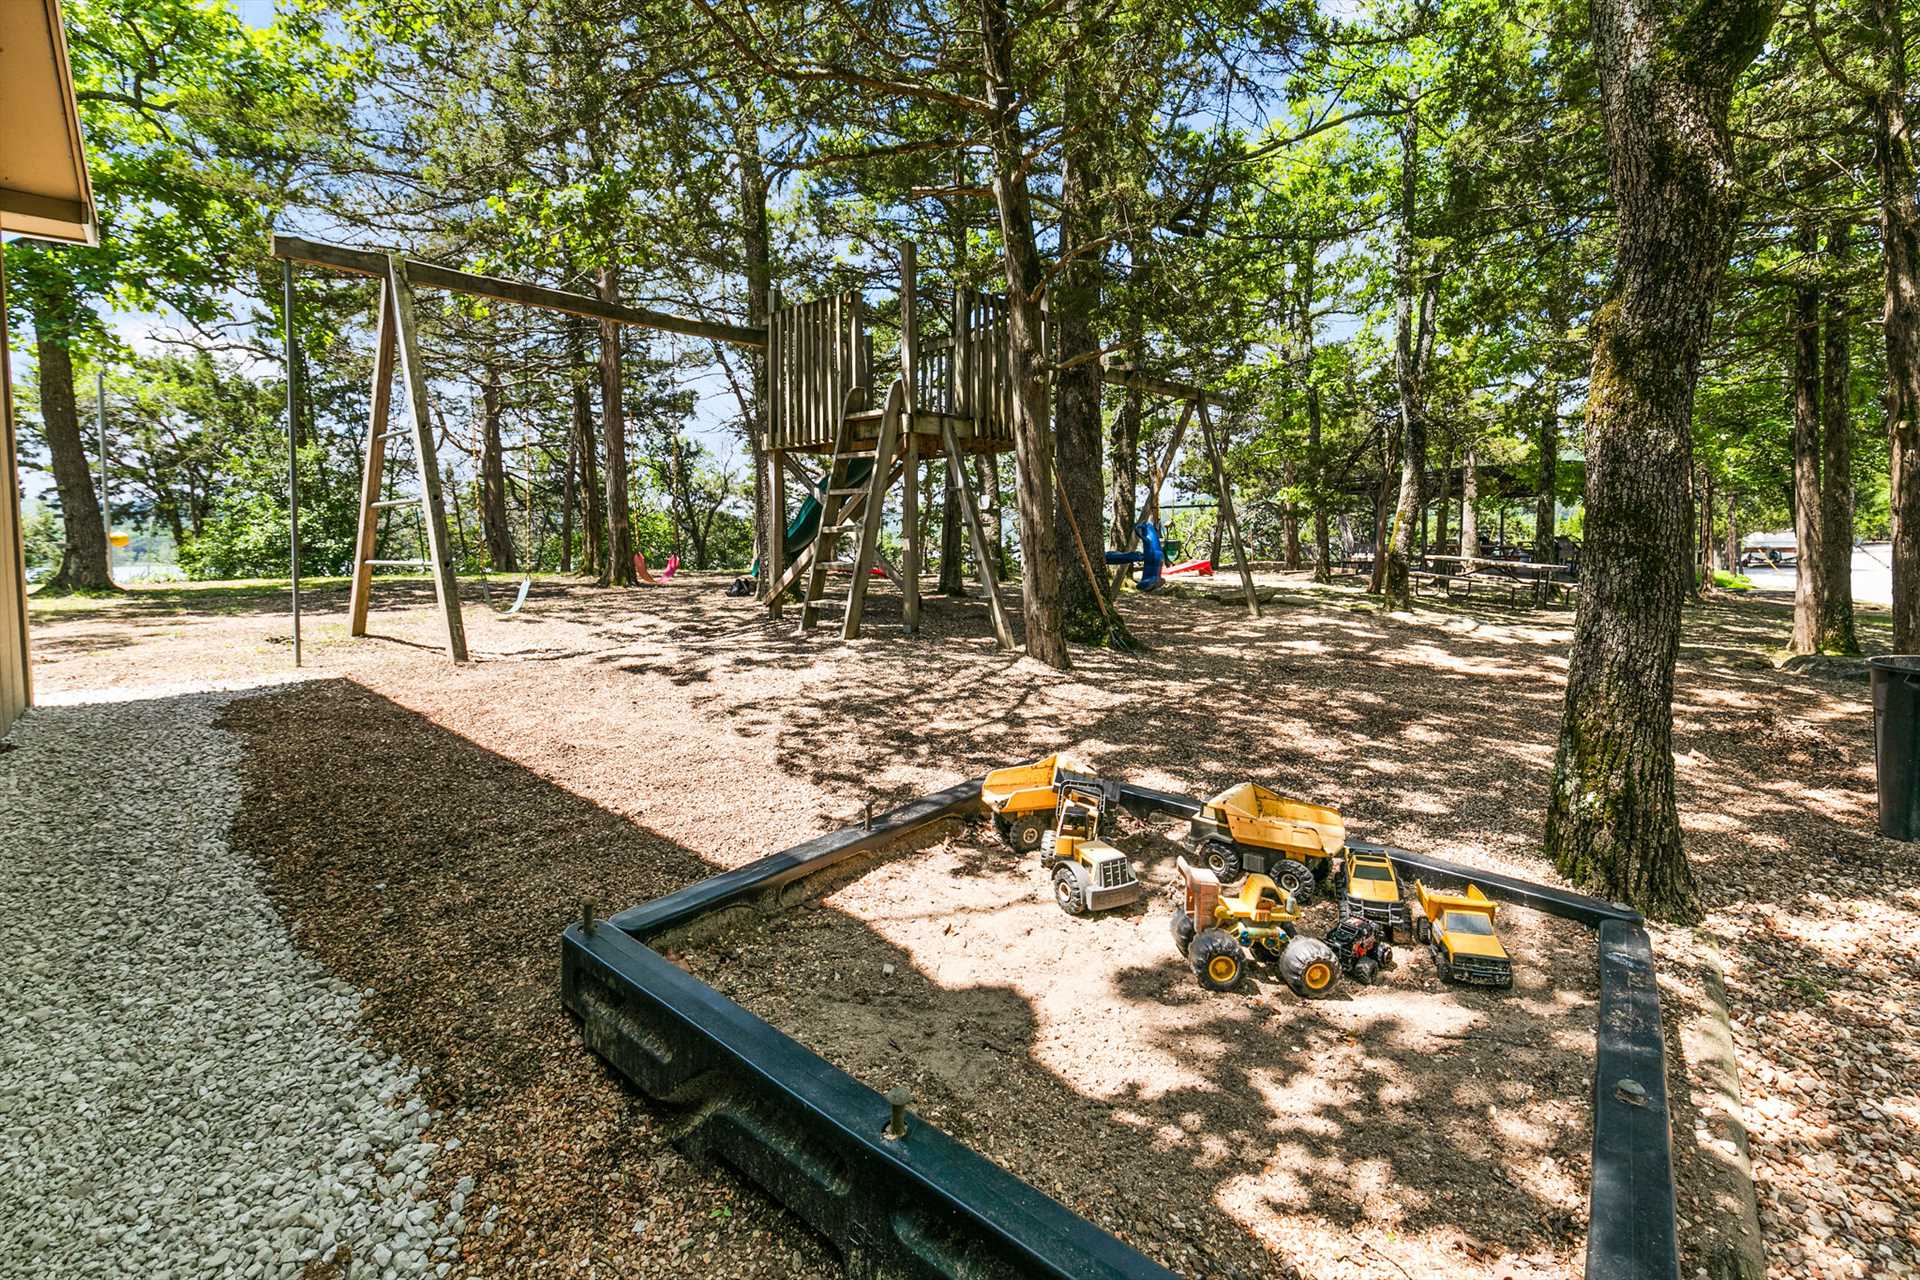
438	877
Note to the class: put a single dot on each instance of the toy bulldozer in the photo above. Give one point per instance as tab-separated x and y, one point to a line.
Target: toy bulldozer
1458	929
1088	873
1022	798
1216	930
1247	828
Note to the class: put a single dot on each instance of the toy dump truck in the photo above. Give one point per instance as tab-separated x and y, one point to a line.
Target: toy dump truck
1247	828
1371	891
1022	798
1216	930
1458	929
1088	873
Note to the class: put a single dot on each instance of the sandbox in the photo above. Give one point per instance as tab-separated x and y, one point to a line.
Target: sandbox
1405	1125
1437	1127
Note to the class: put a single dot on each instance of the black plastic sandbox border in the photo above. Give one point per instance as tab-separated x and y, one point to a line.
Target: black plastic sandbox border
928	1205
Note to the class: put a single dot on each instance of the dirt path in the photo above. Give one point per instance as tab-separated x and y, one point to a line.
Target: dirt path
674	730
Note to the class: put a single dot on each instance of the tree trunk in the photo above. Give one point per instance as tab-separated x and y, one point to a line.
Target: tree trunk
83	563
617	570
593	522
993	518
567	499
1545	548
953	580
1835	633
1388	461
1733	534
1078	431
1289	518
755	242
1032	452
1704	560
1666	74
1900	252
493	481
1809	577
1413	346
1443	509
1322	542
1469	500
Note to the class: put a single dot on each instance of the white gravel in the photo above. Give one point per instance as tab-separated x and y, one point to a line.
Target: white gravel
182	1093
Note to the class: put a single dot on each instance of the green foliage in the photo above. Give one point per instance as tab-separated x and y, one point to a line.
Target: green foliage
42	536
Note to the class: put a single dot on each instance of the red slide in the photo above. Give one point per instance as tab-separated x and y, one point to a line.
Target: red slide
1202	567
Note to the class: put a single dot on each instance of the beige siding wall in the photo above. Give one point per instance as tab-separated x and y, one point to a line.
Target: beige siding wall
16	685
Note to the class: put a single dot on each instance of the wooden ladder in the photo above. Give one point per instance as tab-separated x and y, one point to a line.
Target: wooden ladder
396	336
841	495
977	536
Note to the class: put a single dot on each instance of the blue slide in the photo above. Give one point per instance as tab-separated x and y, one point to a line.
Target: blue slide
1151	560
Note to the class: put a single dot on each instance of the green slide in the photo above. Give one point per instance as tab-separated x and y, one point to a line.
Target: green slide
806	521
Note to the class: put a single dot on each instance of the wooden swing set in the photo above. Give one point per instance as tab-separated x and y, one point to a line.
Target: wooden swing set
947	400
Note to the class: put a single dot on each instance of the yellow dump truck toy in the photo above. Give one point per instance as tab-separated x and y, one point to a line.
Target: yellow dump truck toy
1458	929
1217	931
1371	891
1247	828
1022	797
1088	873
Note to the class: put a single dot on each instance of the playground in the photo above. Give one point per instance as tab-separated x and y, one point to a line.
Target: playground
619	747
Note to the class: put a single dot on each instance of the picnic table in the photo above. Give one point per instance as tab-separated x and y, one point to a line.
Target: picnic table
1544	580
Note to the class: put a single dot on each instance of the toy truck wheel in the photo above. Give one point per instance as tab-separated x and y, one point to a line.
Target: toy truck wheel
1025	832
1309	967
1422	929
1068	891
1217	960
1222	859
1182	929
1365	970
1294	878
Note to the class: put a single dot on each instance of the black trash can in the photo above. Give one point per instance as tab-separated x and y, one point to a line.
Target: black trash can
1896	742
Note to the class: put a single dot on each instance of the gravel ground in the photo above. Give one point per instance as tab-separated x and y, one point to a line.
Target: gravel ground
182	1092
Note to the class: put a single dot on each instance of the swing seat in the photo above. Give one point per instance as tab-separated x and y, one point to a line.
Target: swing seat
520	597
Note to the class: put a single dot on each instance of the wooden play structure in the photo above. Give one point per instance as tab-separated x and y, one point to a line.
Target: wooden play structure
947	399
944	401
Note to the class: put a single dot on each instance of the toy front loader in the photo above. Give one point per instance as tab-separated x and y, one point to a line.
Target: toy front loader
1216	930
1458	929
1088	873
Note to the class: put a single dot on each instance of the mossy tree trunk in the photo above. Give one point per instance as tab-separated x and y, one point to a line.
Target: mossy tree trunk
1666	72
1835	632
